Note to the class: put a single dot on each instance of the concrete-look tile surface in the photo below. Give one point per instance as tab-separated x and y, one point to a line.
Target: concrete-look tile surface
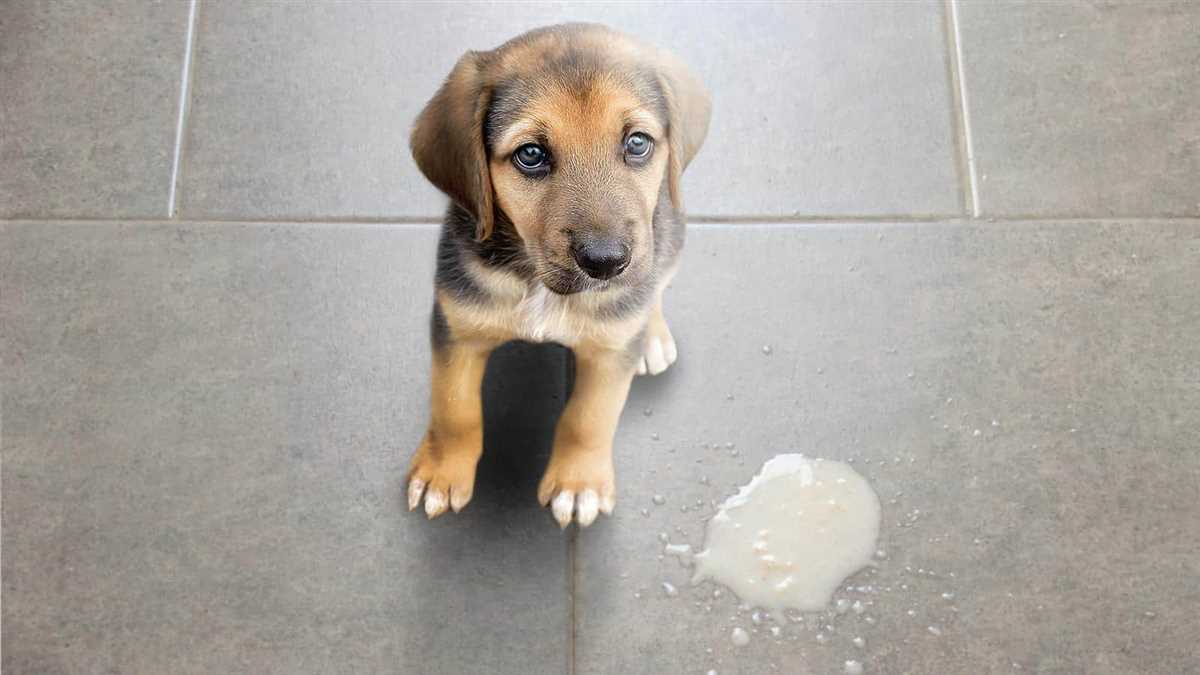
88	106
206	430
1025	400
1084	108
819	108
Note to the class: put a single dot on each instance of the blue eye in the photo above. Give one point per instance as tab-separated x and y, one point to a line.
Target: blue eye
530	157
638	146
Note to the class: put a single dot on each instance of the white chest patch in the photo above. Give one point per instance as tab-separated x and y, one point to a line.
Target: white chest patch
545	316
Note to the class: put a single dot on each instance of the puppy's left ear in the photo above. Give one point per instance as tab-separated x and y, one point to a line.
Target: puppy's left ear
689	109
447	141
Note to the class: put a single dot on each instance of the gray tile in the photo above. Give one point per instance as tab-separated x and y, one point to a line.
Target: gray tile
87	121
831	108
206	430
1058	529
1084	108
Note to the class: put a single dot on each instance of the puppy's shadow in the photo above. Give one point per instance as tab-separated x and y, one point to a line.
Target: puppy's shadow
525	389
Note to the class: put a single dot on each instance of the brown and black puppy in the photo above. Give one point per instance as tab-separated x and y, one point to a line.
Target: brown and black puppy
561	151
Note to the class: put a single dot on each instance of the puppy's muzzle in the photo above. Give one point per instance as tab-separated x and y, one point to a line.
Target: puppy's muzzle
601	258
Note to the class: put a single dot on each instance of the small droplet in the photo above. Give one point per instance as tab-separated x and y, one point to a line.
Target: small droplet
869	620
881	554
669	589
947	596
911	374
739	637
682	550
637	596
645	513
995	423
648	412
659	499
733	453
756	618
1149	615
662	536
728	397
654	436
977	433
859	642
934	630
766	349
853	668
858	607
841	605
776	631
729	445
821	638
911	612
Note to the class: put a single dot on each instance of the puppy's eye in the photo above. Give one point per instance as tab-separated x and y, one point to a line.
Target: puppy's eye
531	158
638	147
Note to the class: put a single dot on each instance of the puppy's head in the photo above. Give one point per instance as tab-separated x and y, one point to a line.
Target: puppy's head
572	134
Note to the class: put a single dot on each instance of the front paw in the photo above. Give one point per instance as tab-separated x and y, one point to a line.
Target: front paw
578	483
444	476
658	348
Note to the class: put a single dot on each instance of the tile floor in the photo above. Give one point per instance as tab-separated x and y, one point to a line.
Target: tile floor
215	260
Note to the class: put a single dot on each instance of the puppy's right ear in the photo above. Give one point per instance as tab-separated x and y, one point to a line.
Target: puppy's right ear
447	141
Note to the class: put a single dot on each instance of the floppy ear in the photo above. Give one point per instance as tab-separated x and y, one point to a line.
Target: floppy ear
688	108
447	141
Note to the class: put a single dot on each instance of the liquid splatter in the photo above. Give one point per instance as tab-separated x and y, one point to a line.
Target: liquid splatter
791	536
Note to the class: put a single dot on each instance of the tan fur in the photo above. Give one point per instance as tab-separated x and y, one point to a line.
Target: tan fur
446	459
593	188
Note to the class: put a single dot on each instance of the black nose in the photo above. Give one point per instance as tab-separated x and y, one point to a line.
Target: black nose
602	259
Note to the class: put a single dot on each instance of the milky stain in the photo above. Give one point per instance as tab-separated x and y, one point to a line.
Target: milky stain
791	536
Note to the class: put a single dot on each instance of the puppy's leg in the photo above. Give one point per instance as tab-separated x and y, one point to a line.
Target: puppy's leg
658	345
579	478
443	468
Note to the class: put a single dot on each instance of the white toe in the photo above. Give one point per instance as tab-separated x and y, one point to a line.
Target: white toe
562	506
459	499
641	369
656	360
669	351
416	488
588	506
435	503
606	505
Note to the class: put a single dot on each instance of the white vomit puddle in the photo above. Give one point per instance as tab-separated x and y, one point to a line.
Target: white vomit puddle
790	537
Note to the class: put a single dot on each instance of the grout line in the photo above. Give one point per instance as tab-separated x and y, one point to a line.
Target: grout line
184	94
816	218
698	222
201	221
964	106
961	175
572	564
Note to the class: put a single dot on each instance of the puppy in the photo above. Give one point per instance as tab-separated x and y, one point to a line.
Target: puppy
561	152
